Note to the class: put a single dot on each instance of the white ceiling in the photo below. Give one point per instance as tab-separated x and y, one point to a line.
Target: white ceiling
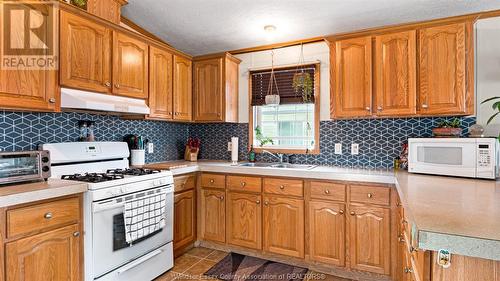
208	26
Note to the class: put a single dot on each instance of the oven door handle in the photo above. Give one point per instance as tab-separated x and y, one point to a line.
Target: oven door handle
99	207
139	261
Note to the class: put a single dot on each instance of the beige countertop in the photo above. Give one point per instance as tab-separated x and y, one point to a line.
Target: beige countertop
21	193
457	214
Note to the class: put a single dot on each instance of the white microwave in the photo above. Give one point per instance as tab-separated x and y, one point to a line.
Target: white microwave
462	157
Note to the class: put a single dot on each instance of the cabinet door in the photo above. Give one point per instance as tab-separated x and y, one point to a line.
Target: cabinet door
182	89
130	66
85	54
208	91
395	64
28	89
213	212
353	78
244	220
53	255
327	232
369	239
443	69
160	83
284	226
184	219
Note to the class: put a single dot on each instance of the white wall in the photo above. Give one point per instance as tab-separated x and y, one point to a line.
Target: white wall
487	70
286	56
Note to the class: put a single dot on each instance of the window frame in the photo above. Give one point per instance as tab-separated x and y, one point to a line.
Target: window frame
316	149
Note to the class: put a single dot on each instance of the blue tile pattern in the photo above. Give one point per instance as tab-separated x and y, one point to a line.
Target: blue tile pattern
25	130
379	140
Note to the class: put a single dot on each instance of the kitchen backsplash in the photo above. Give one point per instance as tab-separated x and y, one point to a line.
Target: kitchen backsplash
25	130
379	140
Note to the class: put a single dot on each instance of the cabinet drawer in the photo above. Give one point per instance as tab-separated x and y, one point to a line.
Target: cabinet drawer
327	191
213	180
253	184
182	183
284	187
370	194
39	216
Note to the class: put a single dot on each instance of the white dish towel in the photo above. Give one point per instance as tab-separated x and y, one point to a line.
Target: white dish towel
144	216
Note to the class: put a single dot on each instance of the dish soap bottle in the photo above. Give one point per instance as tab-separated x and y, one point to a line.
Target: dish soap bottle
251	155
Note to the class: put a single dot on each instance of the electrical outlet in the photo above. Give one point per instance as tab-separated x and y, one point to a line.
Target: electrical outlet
354	149
229	146
151	147
338	148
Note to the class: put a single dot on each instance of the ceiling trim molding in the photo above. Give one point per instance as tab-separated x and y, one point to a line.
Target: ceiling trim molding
277	45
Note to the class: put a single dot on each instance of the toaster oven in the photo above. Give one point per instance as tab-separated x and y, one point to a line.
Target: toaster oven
21	166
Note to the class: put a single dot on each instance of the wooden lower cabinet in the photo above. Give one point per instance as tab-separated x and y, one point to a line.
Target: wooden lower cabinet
369	238
284	226
327	232
244	220
213	212
184	219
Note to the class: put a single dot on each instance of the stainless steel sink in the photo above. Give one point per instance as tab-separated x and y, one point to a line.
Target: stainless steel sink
278	165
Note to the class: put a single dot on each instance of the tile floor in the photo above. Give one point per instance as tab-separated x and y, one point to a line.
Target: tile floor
197	261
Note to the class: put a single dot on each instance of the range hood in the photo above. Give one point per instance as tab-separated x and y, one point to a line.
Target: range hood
83	100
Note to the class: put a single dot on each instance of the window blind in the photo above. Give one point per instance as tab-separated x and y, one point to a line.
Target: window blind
284	83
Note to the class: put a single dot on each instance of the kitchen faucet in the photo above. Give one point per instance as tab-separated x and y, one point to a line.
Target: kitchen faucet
276	155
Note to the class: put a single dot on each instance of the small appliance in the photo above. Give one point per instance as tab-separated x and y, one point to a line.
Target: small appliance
22	166
461	157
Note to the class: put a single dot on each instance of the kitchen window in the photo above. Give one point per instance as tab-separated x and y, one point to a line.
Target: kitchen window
293	125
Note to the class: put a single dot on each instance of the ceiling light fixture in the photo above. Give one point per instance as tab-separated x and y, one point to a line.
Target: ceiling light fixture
270	28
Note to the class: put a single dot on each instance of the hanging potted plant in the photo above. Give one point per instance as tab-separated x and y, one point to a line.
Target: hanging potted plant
302	81
272	98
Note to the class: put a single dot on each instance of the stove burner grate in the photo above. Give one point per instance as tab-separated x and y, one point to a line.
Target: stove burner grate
93	177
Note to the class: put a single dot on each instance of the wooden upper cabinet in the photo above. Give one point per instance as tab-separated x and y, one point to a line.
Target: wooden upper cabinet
108	9
182	89
130	66
85	50
208	90
352	76
184	219
445	65
244	220
369	239
160	83
327	232
216	89
52	255
213	212
395	74
284	226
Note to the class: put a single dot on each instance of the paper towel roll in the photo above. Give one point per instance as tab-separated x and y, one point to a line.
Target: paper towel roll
234	150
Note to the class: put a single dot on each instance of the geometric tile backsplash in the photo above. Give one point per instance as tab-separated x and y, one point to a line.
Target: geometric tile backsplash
25	130
379	140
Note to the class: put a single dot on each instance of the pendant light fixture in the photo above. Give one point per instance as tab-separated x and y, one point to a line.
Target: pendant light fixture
272	98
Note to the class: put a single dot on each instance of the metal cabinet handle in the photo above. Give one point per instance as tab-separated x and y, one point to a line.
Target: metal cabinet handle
212	180
424	105
282	187
368	108
107	84
327	191
243	184
222	198
266	203
341	212
52	100
369	195
257	202
408	270
48	215
76	233
380	108
170	113
117	86
353	213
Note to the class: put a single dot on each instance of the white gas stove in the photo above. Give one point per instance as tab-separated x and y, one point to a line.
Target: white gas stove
104	166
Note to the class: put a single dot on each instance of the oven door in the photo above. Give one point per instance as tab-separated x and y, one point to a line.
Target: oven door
452	157
110	249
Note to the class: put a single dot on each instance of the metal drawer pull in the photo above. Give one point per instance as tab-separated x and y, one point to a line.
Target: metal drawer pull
243	184
258	202
52	100
117	86
425	106
353	213
222	198
408	270
341	212
370	195
327	191
76	233
107	84
48	215
212	180
282	187
266	203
